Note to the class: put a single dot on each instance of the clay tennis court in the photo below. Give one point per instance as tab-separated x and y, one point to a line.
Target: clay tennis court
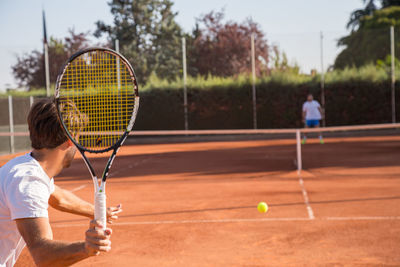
194	204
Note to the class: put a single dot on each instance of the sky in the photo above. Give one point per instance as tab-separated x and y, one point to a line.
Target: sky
293	25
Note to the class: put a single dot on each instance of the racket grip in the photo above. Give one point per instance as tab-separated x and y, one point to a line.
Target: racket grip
100	210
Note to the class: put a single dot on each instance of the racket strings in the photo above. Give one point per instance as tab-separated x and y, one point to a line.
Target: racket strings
99	85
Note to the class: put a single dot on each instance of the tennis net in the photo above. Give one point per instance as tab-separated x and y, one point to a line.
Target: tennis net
345	143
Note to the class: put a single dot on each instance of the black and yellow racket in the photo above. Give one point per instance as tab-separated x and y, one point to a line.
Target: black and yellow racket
97	100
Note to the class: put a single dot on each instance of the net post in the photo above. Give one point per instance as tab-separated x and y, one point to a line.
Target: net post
393	74
31	100
298	150
253	70
185	102
11	121
322	79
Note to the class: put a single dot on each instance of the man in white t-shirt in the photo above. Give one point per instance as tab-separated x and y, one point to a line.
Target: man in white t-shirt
312	114
27	188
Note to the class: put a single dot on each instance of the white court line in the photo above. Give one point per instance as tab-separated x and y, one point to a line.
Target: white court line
363	218
306	201
292	219
78	188
192	222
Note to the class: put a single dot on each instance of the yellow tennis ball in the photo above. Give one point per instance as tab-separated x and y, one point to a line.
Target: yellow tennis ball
262	207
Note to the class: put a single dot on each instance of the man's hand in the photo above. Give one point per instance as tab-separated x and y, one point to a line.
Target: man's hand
97	240
112	213
66	201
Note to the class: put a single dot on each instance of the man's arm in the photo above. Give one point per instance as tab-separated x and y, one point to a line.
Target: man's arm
47	252
321	111
66	201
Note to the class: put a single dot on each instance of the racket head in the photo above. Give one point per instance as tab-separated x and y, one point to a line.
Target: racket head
97	99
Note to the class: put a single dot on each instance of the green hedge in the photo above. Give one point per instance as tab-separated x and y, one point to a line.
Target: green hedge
278	105
355	96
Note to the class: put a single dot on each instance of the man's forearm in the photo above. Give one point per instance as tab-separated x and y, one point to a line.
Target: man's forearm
47	252
66	201
57	253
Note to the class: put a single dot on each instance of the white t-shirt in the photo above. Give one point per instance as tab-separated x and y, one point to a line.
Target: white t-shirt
311	110
24	193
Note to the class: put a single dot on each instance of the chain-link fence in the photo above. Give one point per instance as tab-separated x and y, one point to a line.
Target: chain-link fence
354	82
14	112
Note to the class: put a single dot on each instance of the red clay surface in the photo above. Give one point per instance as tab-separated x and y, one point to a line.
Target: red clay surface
195	204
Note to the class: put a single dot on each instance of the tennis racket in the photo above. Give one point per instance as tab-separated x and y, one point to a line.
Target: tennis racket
97	100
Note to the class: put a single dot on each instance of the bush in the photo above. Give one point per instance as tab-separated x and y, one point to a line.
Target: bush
353	96
278	105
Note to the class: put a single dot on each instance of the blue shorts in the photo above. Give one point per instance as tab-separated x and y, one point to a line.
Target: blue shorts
312	123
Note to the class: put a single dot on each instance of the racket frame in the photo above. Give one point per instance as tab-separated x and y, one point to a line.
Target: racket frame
99	190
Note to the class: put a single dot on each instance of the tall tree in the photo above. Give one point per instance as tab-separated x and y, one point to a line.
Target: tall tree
358	14
29	69
371	41
148	34
369	9
223	49
389	3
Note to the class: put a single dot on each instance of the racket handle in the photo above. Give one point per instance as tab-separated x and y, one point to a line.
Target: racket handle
100	210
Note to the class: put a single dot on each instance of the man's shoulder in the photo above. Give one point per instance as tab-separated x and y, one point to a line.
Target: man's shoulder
18	160
24	161
22	166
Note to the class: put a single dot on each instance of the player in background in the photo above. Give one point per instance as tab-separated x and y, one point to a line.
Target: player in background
27	188
312	114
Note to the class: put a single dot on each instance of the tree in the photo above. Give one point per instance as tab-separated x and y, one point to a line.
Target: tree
148	34
280	63
223	49
371	41
368	10
29	69
358	14
389	3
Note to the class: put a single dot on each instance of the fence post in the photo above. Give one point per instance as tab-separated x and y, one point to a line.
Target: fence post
185	101
253	70
393	74
11	120
46	66
118	66
31	100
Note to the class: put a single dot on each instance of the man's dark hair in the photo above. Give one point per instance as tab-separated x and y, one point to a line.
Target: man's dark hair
45	130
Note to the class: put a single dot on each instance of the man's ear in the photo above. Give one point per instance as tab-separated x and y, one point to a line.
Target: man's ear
67	144
70	142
